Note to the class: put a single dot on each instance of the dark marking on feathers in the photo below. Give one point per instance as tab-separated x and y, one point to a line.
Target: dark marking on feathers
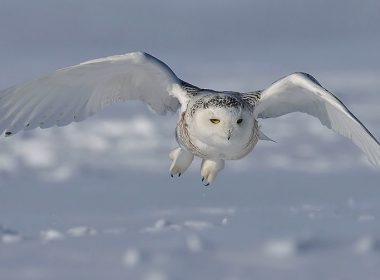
218	101
252	98
191	89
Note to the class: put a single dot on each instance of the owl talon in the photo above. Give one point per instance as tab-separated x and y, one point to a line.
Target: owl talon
209	170
181	160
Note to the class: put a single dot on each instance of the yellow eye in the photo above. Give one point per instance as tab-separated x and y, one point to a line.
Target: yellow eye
215	121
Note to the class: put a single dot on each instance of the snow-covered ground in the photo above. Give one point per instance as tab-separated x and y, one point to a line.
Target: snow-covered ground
94	200
137	225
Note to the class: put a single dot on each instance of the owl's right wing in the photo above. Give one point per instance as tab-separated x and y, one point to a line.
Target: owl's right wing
77	92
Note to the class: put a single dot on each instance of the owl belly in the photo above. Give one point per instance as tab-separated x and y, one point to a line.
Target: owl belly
224	149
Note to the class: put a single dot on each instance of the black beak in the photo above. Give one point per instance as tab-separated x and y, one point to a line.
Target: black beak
229	134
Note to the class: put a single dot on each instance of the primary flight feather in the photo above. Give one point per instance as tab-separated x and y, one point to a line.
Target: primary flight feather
213	125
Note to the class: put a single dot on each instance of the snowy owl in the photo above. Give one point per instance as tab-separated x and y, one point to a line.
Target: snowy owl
213	125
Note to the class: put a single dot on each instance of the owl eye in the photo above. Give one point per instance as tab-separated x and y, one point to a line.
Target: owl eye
215	121
239	121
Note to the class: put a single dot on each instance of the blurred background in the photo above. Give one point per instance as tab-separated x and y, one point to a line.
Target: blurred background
243	46
111	171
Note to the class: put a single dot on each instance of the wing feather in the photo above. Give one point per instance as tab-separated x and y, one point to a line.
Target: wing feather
77	92
300	92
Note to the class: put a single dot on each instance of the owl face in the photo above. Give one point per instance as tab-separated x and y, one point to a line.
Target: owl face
223	125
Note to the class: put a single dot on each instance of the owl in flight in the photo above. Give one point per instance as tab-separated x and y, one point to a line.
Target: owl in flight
213	125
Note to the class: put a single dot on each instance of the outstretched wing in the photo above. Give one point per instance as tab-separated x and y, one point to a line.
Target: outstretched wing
77	92
300	92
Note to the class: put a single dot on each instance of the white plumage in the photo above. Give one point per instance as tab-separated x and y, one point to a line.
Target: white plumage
300	92
213	125
77	92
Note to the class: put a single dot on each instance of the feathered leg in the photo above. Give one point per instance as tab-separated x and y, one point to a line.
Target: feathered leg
181	160
209	169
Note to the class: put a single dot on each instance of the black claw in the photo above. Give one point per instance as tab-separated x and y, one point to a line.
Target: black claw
207	185
203	178
179	174
171	175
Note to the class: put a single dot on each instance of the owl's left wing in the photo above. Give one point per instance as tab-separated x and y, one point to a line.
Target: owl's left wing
300	92
77	92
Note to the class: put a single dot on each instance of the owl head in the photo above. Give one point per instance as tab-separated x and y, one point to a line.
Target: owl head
221	120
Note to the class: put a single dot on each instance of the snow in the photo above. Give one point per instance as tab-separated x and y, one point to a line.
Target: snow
9	236
198	225
51	235
132	257
280	248
194	243
149	226
81	231
365	245
94	200
162	225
